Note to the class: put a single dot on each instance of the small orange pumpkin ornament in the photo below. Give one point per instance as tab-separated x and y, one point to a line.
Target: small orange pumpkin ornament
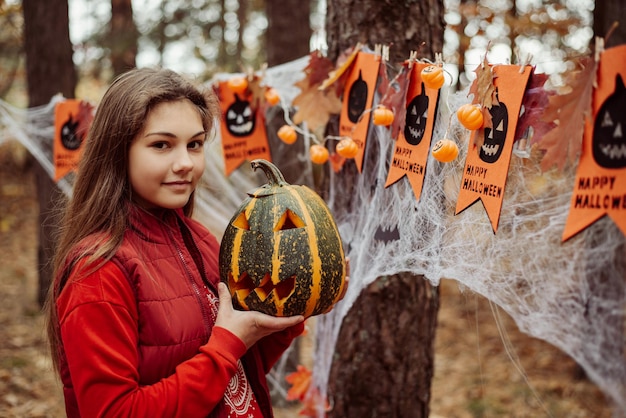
271	96
383	116
470	116
319	154
433	77
347	148
238	84
445	150
287	134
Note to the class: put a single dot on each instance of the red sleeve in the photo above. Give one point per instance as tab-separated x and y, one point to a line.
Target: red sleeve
99	330
273	346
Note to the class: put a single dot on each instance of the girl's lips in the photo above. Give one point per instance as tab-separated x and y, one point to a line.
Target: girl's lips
178	185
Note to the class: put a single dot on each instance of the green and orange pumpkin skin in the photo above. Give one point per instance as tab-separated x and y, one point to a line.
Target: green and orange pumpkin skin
281	252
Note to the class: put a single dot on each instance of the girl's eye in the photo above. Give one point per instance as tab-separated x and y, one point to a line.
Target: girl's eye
198	144
160	145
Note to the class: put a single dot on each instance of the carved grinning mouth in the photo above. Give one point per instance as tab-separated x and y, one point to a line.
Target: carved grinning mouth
416	133
614	151
490	149
244	286
242	129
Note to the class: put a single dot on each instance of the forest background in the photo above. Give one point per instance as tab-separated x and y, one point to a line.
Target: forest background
205	38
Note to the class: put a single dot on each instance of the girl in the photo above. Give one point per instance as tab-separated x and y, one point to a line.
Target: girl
139	323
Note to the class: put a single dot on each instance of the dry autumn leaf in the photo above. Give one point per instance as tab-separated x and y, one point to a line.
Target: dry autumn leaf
568	112
343	66
484	92
482	87
300	381
534	103
315	106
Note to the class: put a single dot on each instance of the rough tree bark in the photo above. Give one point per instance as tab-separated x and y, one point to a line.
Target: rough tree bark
123	36
49	70
384	362
288	31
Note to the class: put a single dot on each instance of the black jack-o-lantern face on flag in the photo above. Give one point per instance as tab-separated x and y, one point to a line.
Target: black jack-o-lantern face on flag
609	143
357	99
493	145
240	118
416	118
70	138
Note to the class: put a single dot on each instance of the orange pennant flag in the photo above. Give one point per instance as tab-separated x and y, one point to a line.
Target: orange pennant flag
72	119
486	168
357	98
242	128
410	152
600	186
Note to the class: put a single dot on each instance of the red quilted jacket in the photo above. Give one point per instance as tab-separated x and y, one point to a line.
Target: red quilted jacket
138	335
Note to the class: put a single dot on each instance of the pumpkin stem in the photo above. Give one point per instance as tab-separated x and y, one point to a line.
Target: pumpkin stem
272	172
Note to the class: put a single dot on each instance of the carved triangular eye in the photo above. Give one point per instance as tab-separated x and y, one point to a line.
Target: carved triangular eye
241	222
289	220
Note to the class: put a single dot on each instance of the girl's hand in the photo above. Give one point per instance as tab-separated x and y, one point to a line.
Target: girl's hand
249	326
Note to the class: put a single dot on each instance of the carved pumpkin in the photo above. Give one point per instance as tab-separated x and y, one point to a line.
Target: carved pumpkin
433	77
240	118
357	99
445	150
608	140
416	118
347	148
70	138
281	253
494	137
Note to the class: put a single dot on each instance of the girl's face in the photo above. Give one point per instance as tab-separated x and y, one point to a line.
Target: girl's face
166	159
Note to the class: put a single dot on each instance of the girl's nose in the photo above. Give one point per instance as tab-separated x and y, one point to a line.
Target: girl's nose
183	161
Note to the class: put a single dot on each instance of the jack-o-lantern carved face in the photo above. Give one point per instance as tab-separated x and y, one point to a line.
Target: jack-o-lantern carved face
494	137
240	118
357	99
281	253
416	118
609	143
69	135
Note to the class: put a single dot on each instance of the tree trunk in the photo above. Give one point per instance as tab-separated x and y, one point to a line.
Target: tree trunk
606	13
384	362
49	70
123	37
289	31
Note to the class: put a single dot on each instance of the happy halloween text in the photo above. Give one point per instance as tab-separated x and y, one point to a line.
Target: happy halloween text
598	200
400	162
239	150
477	186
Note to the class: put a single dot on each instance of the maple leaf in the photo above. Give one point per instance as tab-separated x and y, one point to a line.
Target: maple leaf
336	161
315	106
568	112
300	381
534	103
482	87
344	62
318	68
485	95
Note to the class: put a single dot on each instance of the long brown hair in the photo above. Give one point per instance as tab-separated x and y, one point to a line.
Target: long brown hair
98	207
